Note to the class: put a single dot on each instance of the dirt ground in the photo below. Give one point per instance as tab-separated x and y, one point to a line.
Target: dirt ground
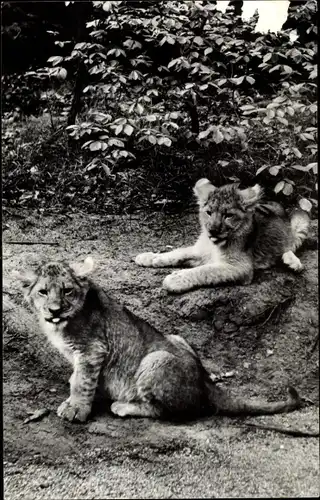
261	337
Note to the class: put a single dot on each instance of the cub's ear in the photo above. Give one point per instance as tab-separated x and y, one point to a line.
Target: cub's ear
202	189
83	269
26	278
251	195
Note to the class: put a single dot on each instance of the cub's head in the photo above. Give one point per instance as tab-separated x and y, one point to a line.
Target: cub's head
56	290
225	212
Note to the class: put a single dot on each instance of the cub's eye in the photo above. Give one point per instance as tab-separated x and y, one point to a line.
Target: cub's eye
68	291
209	213
43	292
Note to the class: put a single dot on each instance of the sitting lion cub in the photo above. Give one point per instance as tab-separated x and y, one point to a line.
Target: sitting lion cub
238	235
145	373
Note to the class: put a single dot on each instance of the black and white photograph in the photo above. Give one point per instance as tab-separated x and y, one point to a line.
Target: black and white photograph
160	249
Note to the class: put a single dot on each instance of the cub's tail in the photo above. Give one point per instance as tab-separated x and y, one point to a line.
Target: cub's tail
300	223
223	403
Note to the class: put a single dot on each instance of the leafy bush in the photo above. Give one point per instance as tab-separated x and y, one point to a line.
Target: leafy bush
183	89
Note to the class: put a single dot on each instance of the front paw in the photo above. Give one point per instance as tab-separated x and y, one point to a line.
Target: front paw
145	259
72	411
177	282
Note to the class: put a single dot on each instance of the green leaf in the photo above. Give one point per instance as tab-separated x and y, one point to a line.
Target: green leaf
79	46
107	6
261	169
313	108
279	186
118	129
237	81
128	129
208	51
305	204
284	121
280	99
198	40
116	142
267	57
62	74
247	107
165	140
204	133
287	69
274	68
275	170
55	60
172	63
314	167
250	80
152	139
217	136
288	189
151	118
314	73
307	136
170	40
299	167
106	169
270	114
297	152
290	110
95	146
133	75
139	108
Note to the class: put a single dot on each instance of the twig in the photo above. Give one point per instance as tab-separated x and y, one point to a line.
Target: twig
37	415
308	400
52	243
281	430
272	311
314	345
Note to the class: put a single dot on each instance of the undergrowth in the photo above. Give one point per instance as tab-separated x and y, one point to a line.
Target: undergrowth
42	169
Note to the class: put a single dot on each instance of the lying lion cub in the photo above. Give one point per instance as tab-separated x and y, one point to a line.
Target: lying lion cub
143	372
238	235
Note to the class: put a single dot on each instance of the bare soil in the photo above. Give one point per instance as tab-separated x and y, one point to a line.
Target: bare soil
262	336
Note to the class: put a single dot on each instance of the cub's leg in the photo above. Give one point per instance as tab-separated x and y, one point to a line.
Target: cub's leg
167	259
208	274
83	384
299	225
166	385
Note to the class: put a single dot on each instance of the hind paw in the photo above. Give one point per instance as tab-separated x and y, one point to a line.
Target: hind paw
120	409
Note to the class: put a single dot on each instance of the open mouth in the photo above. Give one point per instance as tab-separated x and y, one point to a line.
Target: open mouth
54	320
216	239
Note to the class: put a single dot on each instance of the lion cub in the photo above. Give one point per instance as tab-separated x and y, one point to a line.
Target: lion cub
145	373
238	235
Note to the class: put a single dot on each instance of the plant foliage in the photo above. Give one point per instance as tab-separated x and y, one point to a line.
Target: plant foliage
181	77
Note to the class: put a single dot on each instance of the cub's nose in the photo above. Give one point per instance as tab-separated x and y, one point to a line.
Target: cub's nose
215	231
55	310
